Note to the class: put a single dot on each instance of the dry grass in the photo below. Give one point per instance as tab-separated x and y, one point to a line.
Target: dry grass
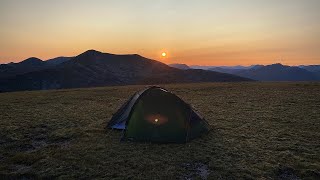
259	130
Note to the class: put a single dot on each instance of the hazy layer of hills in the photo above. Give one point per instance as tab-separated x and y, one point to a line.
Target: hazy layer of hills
93	68
273	72
180	66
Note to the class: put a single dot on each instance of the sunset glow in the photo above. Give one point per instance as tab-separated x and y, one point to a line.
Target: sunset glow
205	32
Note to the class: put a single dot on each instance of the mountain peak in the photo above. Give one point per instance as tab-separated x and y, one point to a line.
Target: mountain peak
136	55
89	53
32	61
276	64
92	51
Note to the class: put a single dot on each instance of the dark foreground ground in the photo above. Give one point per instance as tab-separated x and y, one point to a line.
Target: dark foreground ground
259	130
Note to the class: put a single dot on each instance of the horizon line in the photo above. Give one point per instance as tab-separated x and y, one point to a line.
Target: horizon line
167	63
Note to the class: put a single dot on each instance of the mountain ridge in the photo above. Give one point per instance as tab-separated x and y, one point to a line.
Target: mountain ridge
180	66
93	68
273	72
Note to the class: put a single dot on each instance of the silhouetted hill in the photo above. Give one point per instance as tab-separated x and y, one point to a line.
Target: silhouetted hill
93	68
58	60
180	66
29	65
33	61
25	66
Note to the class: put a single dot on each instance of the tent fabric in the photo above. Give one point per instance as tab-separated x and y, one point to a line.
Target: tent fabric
157	115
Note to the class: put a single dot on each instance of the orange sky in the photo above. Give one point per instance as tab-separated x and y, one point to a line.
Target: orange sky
204	32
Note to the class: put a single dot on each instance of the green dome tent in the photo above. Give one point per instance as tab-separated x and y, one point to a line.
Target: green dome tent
157	115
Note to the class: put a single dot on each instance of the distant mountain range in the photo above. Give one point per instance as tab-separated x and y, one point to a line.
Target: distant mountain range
180	66
224	67
93	68
273	72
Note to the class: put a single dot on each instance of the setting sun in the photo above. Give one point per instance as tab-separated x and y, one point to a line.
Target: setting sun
164	54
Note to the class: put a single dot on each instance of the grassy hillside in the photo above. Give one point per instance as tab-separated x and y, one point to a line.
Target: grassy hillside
259	130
